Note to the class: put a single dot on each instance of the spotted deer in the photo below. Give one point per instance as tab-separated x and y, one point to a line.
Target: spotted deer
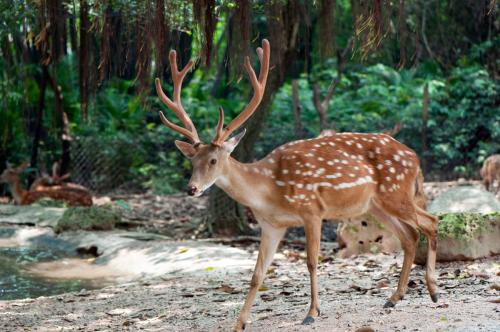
301	183
73	195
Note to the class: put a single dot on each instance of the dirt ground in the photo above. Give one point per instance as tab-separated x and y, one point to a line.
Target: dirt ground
352	295
352	291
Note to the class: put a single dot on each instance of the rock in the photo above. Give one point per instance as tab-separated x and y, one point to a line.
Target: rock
465	199
365	235
30	215
464	236
88	218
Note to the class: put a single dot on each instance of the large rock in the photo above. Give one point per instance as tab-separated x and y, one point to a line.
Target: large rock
464	236
365	235
465	199
465	232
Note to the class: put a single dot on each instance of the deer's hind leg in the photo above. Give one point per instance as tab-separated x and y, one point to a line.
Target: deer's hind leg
313	239
408	236
428	224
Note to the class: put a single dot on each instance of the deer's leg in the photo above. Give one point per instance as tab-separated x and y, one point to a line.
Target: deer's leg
313	238
408	236
428	224
270	239
486	183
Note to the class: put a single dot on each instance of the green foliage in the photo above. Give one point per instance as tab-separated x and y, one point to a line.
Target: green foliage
464	116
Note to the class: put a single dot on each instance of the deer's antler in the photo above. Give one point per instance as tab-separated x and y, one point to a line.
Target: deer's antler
189	130
258	85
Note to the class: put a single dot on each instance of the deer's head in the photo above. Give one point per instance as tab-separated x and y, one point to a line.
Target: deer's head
209	161
11	174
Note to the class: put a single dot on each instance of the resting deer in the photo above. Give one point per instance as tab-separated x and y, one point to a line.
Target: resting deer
490	172
303	182
70	195
46	181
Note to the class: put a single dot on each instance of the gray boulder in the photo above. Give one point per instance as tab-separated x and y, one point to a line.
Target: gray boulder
465	199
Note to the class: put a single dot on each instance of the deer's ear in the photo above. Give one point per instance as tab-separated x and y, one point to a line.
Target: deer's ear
187	149
232	143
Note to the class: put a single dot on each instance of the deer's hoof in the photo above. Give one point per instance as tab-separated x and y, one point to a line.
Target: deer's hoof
308	320
389	304
239	327
434	297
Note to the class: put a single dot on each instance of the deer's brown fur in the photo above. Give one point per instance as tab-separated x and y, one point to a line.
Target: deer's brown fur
74	196
490	172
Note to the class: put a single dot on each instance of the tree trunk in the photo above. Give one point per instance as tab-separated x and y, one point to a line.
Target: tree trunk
62	123
226	216
39	116
83	58
299	131
73	40
425	117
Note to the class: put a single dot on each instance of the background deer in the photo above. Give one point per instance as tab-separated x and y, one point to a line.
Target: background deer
301	183
490	172
74	196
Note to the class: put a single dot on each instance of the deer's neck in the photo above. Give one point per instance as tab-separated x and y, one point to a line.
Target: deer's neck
17	191
248	184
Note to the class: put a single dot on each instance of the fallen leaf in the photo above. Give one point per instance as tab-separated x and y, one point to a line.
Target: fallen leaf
182	250
365	329
209	268
228	289
382	283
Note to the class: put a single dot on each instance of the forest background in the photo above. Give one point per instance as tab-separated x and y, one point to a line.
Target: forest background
77	83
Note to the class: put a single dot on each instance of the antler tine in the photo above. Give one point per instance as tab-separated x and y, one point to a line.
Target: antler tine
258	85
220	124
193	137
176	105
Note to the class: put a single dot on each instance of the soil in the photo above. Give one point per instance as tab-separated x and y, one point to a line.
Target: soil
352	294
352	291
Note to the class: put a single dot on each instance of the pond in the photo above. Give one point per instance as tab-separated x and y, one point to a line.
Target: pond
15	280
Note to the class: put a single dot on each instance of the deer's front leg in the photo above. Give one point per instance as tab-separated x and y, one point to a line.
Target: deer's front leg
313	238
270	238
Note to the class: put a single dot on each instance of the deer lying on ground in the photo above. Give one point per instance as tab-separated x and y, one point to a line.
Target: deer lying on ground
490	172
45	181
72	196
303	182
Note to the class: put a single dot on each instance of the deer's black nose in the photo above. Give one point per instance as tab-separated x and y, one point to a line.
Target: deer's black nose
191	190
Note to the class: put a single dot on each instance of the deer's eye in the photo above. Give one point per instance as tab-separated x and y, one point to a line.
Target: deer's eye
213	161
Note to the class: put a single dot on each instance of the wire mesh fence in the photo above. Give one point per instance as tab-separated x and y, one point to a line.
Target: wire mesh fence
101	165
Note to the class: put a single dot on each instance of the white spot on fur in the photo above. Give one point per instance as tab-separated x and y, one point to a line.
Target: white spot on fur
280	183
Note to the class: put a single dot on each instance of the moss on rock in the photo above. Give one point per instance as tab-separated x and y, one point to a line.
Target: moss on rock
88	218
465	225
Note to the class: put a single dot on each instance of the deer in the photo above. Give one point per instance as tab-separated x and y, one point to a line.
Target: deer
70	195
490	172
303	182
45	181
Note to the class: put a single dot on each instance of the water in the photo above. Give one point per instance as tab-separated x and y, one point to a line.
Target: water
17	283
